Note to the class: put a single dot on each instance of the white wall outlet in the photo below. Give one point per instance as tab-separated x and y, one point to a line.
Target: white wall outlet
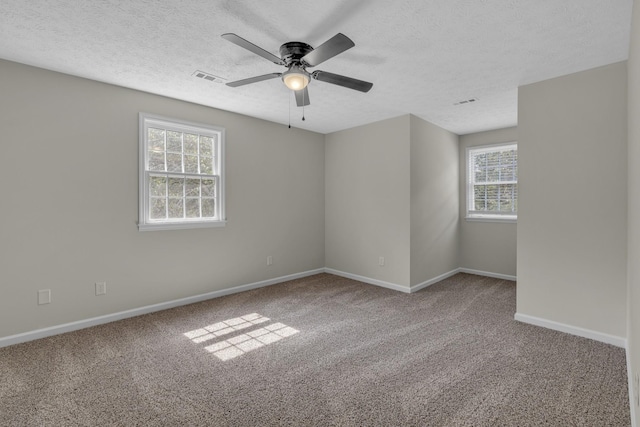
44	296
269	260
101	288
381	261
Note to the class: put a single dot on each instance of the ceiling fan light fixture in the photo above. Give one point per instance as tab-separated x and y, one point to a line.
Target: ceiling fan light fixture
295	78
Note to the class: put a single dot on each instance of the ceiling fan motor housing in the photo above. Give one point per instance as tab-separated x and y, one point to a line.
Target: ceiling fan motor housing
292	52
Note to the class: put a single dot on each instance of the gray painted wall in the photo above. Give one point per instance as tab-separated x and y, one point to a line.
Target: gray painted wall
367	200
434	201
391	191
572	234
633	232
485	246
70	203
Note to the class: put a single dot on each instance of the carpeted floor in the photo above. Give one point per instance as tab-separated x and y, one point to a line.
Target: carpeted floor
323	351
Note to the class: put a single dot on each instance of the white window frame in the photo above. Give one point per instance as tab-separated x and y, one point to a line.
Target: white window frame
472	215
145	223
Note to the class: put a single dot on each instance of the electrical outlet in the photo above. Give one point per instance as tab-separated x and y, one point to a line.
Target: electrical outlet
381	261
101	288
269	260
44	296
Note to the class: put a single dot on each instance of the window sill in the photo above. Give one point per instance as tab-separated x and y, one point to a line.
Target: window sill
157	226
490	219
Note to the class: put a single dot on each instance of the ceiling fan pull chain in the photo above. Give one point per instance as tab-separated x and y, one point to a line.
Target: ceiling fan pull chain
290	112
303	102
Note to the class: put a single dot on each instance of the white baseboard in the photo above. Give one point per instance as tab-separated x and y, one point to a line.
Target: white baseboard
435	280
369	280
573	330
81	324
419	286
487	274
388	285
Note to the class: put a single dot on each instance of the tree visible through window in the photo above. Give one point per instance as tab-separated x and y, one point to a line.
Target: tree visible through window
492	181
181	179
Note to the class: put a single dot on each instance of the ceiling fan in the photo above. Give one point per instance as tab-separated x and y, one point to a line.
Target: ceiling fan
296	57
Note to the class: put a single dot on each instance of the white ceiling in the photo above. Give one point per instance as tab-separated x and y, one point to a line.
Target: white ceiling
422	56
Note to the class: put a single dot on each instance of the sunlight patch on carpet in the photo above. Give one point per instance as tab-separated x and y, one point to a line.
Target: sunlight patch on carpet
240	344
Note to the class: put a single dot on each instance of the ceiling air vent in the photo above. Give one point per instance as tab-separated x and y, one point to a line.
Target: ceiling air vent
466	101
209	77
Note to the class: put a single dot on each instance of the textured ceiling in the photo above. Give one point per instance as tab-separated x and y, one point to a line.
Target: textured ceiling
422	56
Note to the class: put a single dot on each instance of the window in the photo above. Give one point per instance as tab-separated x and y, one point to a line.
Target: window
181	174
492	182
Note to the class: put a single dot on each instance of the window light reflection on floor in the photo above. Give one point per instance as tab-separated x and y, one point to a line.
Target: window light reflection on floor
243	343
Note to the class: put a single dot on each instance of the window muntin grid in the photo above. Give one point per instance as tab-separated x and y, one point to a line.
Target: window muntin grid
182	177
492	181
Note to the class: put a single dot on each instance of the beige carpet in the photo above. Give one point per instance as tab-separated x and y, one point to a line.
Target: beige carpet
323	351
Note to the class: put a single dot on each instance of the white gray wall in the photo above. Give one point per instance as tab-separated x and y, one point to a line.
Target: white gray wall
434	201
391	191
488	247
633	232
572	234
70	203
367	200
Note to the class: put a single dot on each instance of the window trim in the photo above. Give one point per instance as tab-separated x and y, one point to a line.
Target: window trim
145	119
484	217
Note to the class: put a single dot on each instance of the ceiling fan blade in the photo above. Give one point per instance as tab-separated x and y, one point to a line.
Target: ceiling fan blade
235	39
344	81
302	97
253	79
327	50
